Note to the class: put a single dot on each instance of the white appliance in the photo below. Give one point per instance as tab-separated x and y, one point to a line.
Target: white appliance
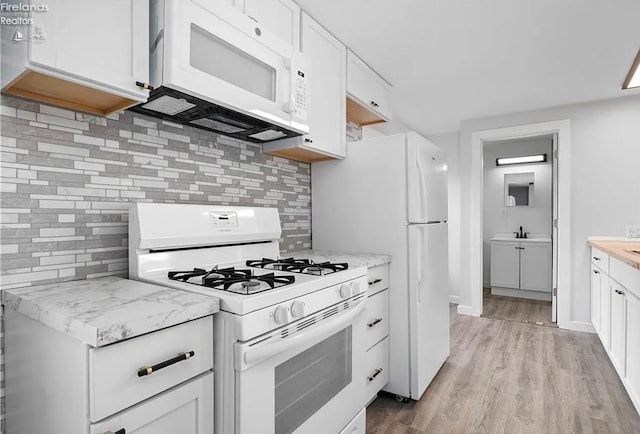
286	359
390	197
215	68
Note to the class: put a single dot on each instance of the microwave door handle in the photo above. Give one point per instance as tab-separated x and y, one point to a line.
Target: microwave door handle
246	356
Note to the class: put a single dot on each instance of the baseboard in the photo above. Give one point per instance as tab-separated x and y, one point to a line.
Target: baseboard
454	299
465	310
580	326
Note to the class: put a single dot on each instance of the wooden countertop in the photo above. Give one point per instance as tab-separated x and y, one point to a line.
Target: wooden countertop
621	250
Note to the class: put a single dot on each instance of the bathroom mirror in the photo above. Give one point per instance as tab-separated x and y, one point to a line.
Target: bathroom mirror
518	189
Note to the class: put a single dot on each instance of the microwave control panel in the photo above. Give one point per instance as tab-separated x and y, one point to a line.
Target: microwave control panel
299	93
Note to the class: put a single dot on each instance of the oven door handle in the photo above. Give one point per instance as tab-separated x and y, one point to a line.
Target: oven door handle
247	355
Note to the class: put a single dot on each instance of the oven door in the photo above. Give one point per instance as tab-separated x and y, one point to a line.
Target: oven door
305	378
226	58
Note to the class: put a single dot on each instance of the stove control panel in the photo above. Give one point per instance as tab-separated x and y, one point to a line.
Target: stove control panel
281	315
223	219
297	309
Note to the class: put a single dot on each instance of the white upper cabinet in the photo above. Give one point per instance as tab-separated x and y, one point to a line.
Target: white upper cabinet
326	59
369	93
86	55
281	17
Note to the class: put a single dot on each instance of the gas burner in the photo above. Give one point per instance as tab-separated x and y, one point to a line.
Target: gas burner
229	279
304	266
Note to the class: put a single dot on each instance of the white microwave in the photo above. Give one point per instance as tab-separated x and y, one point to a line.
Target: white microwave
213	67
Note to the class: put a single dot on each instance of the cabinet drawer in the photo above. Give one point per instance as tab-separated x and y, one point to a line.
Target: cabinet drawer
377	373
186	409
377	317
600	259
626	275
113	370
378	278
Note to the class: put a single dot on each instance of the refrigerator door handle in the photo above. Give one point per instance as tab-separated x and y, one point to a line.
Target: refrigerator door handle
421	187
420	265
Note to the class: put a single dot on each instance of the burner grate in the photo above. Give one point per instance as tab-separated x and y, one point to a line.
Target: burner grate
239	281
305	266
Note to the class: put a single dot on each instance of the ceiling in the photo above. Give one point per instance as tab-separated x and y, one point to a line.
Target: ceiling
452	60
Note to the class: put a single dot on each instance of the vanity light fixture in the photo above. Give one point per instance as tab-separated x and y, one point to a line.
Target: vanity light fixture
541	158
633	77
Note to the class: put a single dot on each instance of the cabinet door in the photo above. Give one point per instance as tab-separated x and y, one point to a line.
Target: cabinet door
367	87
326	57
633	344
618	326
505	258
535	266
605	310
102	43
185	409
281	17
596	277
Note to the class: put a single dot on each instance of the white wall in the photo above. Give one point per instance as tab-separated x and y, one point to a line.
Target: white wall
497	218
605	188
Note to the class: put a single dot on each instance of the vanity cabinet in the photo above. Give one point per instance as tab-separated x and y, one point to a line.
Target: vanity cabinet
522	265
327	138
281	17
615	315
368	94
83	55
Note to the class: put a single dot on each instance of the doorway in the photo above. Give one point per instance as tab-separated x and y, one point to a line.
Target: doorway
561	275
518	214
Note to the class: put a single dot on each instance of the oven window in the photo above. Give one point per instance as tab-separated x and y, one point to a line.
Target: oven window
309	380
216	57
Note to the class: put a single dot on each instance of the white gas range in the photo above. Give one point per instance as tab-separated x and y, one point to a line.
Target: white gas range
289	340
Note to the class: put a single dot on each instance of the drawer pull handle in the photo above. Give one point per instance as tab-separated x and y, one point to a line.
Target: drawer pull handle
120	431
596	272
373	282
375	104
146	86
596	258
148	370
619	292
374	322
374	375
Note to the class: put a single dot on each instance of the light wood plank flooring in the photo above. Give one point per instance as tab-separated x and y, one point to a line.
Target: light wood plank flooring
516	309
512	377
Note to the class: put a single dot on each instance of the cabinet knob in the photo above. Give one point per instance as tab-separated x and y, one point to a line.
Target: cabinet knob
596	258
619	292
596	272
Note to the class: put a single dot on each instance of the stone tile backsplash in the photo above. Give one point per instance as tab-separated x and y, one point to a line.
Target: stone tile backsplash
67	179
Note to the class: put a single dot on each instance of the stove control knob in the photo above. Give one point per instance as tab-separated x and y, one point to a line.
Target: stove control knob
281	315
297	309
346	291
356	287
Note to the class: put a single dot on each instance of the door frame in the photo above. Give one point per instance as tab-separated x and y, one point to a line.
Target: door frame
563	130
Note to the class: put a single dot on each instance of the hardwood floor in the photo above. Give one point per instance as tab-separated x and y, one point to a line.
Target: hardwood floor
511	377
516	309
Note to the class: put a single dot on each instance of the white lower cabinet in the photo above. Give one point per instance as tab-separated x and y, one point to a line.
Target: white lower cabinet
358	424
57	384
377	368
618	326
186	409
524	265
615	314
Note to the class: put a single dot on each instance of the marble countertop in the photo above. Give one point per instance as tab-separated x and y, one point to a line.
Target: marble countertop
353	259
104	310
620	249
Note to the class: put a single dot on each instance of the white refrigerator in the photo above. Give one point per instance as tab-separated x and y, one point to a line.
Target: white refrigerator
389	196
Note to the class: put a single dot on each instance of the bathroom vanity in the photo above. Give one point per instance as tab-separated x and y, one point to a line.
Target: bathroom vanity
521	267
